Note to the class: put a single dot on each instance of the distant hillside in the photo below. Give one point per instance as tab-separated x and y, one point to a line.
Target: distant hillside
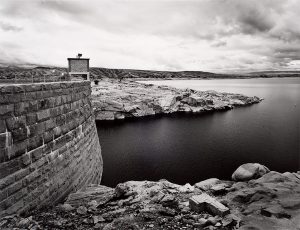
41	73
276	73
131	73
13	72
19	74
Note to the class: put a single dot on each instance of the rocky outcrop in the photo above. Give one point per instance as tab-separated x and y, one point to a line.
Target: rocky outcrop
114	99
269	202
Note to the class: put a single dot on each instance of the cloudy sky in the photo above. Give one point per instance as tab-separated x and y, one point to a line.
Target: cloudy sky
208	35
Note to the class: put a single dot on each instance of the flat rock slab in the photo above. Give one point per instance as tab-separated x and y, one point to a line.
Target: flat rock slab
99	193
204	202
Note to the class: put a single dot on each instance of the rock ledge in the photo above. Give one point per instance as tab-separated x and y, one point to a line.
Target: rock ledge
114	99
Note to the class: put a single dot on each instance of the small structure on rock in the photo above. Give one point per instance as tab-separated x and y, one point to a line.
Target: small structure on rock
79	67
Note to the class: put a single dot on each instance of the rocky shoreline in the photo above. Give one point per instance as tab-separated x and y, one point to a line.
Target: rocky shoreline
256	198
119	99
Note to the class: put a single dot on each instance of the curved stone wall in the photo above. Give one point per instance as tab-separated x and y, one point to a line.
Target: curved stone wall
48	144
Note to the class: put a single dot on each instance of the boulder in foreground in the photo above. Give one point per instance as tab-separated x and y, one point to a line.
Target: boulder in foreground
249	171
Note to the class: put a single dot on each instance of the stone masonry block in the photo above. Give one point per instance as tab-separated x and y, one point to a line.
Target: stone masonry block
64	99
70	136
46	87
59	142
19	89
9	167
6	110
21	174
60	120
3	140
36	153
52	101
47	148
3	195
14	206
65	128
34	142
63	150
16	98
47	93
4	99
64	85
48	136
43	104
50	124
6	181
19	134
32	106
72	125
55	111
26	159
3	154
30	96
32	87
66	108
43	115
40	95
57	131
52	155
69	97
58	101
6	89
18	149
14	188
36	129
21	108
2	126
58	91
16	123
40	163
31	118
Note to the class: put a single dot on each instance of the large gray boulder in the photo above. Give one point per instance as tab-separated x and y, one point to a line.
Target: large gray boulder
249	171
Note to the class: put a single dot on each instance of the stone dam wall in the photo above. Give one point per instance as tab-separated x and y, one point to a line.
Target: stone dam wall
48	144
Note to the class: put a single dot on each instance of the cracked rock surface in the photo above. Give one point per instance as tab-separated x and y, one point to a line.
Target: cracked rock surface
113	99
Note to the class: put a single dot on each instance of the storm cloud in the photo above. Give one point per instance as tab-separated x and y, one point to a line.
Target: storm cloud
210	35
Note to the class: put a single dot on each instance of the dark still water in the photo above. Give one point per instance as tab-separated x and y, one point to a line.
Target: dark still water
190	148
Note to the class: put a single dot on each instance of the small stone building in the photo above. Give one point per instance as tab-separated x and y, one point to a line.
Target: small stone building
79	67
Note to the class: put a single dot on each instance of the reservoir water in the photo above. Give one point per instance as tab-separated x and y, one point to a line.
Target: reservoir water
190	148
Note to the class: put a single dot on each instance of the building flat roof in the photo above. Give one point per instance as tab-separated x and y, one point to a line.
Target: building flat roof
78	59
